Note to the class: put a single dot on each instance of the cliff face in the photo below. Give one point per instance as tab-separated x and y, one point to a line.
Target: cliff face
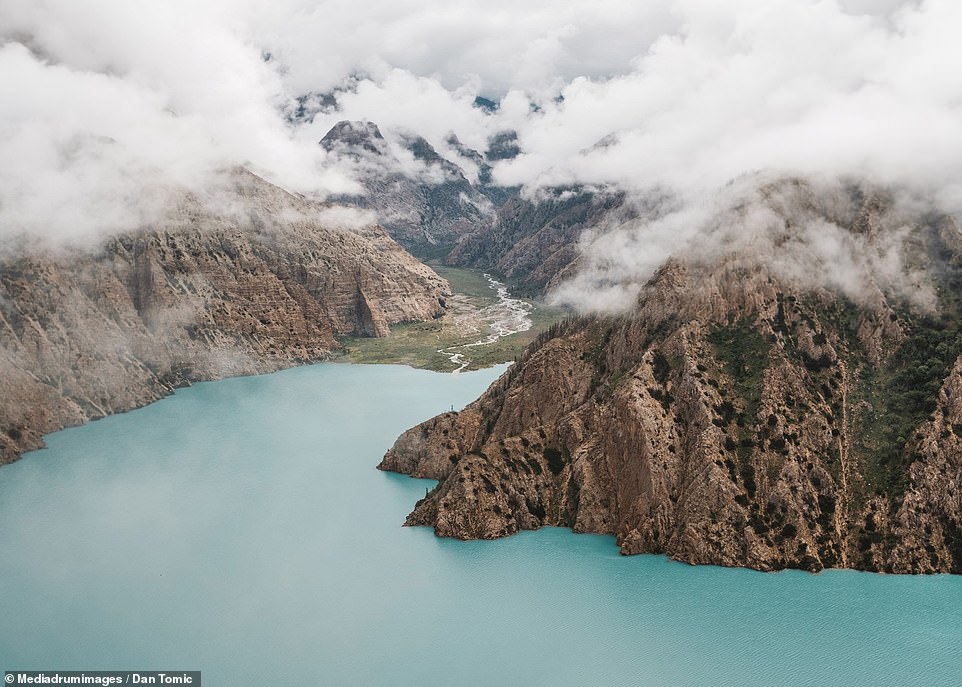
253	281
742	415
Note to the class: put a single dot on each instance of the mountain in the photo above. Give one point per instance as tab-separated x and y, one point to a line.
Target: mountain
424	200
249	280
534	242
786	392
451	209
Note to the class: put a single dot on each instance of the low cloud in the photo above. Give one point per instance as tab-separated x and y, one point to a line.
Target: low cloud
794	87
104	106
805	233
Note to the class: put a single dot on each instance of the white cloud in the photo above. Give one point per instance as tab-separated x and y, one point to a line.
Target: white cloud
502	44
104	103
795	87
104	99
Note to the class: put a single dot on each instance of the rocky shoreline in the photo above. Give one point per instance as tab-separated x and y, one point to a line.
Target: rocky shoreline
735	418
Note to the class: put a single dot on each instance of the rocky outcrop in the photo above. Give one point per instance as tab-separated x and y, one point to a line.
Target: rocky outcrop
742	415
249	280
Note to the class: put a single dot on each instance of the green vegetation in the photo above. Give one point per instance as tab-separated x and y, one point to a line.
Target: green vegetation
660	367
468	282
609	372
744	353
597	354
555	460
417	343
889	403
902	395
431	253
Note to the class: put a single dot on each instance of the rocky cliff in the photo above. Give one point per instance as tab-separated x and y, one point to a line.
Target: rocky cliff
769	402
249	280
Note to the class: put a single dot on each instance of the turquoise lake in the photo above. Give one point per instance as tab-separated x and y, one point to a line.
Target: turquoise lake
240	528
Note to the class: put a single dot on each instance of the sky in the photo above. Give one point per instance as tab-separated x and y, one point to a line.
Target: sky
104	104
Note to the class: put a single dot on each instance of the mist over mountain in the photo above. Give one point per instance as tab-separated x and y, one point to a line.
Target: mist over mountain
425	201
449	209
775	397
251	280
103	105
755	206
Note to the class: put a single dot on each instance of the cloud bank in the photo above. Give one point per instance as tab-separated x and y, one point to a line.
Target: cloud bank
101	105
808	233
796	87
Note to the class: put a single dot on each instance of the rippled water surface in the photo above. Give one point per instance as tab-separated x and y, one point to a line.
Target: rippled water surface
240	528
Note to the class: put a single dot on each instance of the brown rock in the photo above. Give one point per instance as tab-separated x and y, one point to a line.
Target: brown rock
211	293
739	416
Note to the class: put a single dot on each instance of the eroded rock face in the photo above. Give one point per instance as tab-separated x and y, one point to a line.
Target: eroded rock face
257	281
737	417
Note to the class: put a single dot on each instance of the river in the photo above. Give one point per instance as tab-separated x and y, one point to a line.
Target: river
506	316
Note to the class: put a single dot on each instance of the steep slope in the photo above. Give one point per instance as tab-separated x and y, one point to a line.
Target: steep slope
425	201
450	209
534	242
744	413
251	280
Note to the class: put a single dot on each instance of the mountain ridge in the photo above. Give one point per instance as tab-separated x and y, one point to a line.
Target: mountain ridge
250	281
742	413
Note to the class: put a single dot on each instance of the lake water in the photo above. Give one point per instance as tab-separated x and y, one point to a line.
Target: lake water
240	528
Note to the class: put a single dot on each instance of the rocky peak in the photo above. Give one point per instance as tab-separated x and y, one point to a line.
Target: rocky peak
352	137
425	205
